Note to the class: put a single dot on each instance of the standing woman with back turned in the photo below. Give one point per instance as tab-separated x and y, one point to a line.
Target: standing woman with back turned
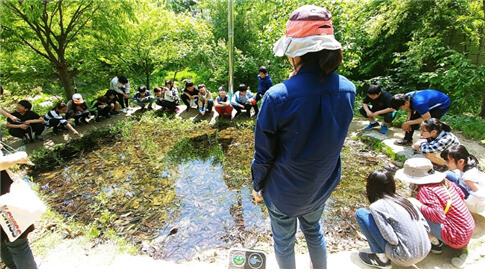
300	130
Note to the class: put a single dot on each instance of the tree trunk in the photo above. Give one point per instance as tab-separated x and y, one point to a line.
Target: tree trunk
482	112
64	78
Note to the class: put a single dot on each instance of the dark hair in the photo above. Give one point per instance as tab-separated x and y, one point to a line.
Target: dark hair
458	152
168	81
374	89
142	88
398	100
189	84
110	93
328	60
26	104
122	79
200	86
263	70
381	184
436	124
60	105
102	99
242	87
221	89
157	89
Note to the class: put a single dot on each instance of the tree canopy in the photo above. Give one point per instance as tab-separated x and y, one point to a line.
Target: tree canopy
402	45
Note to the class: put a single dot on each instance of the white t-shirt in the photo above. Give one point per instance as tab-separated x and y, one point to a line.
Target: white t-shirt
478	178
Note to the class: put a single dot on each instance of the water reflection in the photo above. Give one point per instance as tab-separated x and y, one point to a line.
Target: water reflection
209	215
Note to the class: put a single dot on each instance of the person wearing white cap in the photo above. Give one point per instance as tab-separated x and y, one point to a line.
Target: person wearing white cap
441	202
78	109
299	134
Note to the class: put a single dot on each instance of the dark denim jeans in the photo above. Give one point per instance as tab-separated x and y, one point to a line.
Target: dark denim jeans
284	230
17	254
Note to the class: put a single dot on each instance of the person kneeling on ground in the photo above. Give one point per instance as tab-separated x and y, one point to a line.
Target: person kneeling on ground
441	202
55	119
380	104
205	100
101	108
435	137
190	95
222	103
78	109
243	100
470	178
394	229
143	97
112	101
170	97
421	105
30	126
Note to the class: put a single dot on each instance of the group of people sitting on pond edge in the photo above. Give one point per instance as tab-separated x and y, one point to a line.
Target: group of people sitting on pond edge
29	126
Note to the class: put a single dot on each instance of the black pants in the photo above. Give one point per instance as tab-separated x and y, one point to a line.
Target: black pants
80	117
103	112
167	105
56	124
123	101
186	100
388	117
33	128
259	96
435	113
246	107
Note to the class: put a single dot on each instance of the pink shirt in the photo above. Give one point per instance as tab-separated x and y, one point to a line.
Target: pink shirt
458	223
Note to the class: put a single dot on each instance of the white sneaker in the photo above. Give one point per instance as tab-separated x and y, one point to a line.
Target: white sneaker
124	110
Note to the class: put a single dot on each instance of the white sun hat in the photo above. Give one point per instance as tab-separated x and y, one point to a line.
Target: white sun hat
419	171
309	29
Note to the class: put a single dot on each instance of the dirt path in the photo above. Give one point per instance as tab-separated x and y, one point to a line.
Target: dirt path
77	253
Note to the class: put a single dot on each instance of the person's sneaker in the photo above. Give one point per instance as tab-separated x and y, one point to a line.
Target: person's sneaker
39	137
402	142
371	125
371	259
96	120
84	121
437	249
108	116
115	112
124	110
25	140
384	129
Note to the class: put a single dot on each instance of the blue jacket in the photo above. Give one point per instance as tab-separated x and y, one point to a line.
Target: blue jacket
300	131
426	100
264	84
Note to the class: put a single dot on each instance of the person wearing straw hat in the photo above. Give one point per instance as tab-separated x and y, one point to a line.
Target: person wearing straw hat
299	134
441	202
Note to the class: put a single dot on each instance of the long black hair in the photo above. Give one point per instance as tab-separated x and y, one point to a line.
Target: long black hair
381	185
458	152
328	60
436	124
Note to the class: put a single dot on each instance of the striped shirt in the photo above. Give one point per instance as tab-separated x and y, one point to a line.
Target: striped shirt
52	114
458	223
440	143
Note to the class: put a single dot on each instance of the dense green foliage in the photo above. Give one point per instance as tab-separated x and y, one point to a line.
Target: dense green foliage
403	45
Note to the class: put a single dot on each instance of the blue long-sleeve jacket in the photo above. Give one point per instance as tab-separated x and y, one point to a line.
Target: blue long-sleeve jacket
300	131
264	84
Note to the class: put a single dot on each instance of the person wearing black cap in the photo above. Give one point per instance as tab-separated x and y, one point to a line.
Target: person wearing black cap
30	126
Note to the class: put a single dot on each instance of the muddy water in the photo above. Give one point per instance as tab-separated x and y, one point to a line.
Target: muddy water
207	214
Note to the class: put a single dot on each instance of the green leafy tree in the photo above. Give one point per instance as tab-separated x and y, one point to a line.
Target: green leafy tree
50	28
